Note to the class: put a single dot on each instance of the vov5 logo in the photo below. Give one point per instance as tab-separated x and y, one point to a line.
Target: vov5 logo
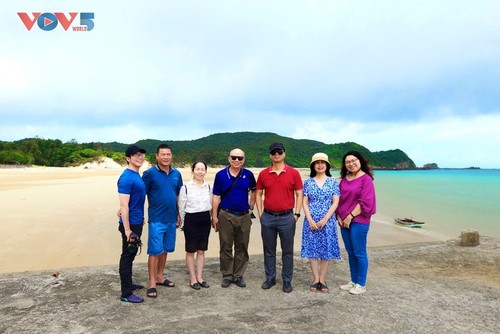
49	21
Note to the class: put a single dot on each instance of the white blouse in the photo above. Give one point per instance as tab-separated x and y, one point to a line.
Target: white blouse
194	198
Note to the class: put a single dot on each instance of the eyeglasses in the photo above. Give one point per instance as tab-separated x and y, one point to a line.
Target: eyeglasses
278	151
351	161
139	155
234	158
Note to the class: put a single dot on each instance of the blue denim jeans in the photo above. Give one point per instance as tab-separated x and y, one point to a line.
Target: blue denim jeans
271	228
355	244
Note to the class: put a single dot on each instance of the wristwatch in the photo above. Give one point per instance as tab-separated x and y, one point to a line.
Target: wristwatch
297	214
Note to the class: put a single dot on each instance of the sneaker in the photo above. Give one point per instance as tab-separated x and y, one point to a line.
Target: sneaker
226	282
347	287
268	284
132	299
240	282
287	287
357	290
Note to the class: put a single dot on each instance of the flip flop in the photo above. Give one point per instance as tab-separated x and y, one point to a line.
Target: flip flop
167	283
151	293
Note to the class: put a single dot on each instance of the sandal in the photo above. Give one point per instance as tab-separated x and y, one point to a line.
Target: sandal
204	284
151	293
195	286
314	287
324	288
167	283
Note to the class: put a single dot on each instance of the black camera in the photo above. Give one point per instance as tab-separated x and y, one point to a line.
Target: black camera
134	242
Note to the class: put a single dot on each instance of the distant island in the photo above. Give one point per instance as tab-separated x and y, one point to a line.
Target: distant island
434	165
213	149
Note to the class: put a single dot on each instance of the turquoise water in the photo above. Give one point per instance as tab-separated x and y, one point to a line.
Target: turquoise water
447	200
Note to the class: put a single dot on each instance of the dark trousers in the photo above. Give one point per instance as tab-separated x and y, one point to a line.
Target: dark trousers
271	228
126	259
234	231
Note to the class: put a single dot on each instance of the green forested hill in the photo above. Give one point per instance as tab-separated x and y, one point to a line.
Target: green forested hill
214	149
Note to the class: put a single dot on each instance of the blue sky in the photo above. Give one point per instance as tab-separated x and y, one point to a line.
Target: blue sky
422	76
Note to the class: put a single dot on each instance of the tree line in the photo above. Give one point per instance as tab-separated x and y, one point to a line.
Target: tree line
53	152
213	149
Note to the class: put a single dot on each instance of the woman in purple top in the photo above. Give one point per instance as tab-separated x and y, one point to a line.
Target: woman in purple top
356	206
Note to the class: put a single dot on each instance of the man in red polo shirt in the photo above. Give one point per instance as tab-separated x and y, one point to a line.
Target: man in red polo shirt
281	186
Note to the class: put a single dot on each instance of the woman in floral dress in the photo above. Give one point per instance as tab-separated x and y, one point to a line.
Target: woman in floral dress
319	233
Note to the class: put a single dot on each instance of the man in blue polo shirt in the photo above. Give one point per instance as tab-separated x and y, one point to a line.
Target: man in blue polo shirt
233	221
163	183
132	194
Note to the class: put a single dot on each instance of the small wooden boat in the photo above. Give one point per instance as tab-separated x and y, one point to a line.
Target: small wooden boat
408	222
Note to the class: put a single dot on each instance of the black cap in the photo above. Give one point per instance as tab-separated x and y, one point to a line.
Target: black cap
276	146
133	149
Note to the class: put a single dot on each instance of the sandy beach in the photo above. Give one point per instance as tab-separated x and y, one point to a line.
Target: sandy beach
66	217
59	274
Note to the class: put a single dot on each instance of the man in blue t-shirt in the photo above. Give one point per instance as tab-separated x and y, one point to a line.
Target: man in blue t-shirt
132	194
163	183
233	221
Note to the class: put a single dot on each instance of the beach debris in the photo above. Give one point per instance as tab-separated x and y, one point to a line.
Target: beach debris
55	280
408	222
469	238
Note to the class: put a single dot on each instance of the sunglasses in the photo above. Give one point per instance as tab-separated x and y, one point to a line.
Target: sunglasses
279	151
234	158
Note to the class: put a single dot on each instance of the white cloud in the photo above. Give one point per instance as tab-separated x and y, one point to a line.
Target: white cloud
374	73
448	141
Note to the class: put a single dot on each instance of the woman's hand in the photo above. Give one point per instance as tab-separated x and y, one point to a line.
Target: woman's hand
347	221
313	225
321	224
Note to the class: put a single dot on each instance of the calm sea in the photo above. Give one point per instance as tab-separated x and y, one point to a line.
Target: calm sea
447	200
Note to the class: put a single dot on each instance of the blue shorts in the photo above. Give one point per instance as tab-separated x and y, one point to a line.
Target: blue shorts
161	238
